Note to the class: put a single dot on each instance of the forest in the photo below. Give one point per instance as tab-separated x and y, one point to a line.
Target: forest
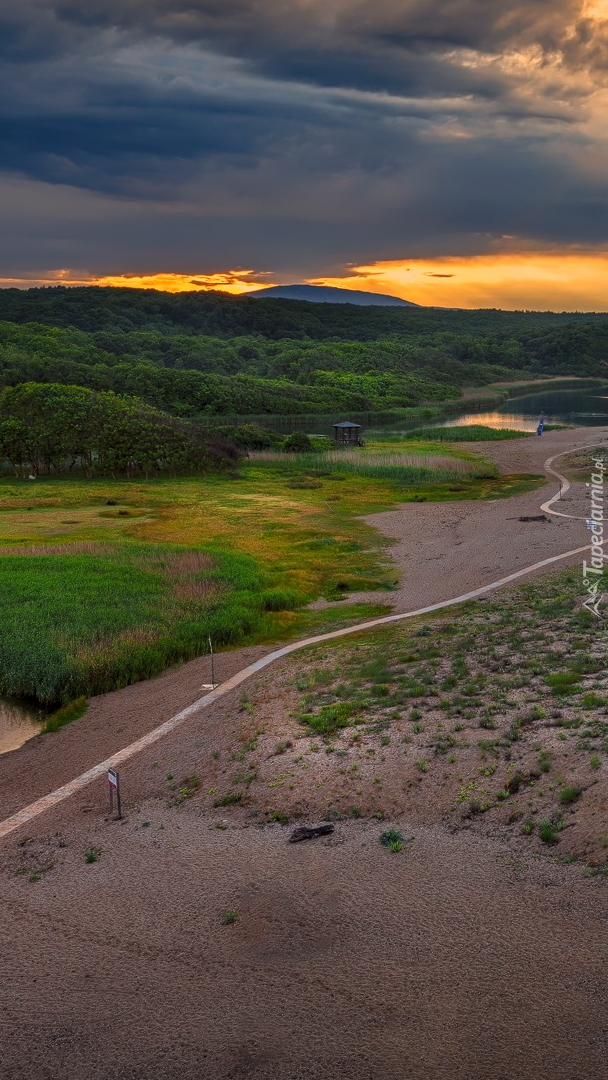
209	354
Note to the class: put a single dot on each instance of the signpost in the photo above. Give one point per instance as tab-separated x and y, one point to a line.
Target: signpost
212	685
114	783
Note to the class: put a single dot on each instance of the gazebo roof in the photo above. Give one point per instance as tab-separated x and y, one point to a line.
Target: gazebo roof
347	423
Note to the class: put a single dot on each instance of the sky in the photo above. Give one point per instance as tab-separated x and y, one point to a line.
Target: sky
451	152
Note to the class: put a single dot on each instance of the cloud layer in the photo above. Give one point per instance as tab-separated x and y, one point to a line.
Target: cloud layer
298	136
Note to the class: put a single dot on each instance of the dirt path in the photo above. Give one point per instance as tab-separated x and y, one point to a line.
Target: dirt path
444	548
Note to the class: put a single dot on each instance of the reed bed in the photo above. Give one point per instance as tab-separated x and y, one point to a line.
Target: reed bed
83	619
402	468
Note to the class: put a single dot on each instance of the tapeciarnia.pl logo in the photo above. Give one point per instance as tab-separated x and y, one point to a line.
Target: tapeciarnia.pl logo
592	571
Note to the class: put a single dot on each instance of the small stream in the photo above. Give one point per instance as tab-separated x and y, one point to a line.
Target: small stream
19	721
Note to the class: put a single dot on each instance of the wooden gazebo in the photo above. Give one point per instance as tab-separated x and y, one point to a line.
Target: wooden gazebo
348	434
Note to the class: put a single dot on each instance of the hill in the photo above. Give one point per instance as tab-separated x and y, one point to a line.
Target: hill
324	294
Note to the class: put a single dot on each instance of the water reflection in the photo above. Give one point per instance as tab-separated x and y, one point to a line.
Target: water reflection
496	420
18	723
586	408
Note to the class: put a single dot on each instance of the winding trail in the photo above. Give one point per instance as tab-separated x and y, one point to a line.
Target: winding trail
564	483
46	802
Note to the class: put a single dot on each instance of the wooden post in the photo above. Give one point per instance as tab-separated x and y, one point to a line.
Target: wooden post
212	662
114	782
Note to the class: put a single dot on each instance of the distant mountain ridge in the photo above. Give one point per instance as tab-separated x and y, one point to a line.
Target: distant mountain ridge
325	294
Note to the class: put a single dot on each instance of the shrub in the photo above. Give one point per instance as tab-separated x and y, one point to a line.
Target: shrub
230	799
563	682
298	443
188	787
247	436
44	426
330	718
544	761
547	833
391	837
569	794
487	721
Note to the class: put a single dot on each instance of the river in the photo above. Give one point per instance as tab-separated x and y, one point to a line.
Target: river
583	408
579	407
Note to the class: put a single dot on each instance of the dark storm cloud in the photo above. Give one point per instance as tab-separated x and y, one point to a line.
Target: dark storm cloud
347	128
360	37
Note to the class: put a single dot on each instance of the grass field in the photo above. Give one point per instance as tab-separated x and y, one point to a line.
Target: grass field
107	582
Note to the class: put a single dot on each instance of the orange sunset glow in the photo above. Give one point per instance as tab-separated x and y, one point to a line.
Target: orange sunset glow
547	281
573	281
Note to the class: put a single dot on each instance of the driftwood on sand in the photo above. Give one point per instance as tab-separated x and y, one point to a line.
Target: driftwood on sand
304	833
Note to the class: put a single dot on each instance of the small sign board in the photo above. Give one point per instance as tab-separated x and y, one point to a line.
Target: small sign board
114	782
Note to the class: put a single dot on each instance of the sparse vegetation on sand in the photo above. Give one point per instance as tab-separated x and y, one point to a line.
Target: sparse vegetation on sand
448	720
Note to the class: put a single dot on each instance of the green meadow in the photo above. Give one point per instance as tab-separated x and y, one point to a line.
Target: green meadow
105	582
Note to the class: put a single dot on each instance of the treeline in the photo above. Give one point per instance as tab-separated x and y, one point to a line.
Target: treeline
206	354
55	428
220	315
